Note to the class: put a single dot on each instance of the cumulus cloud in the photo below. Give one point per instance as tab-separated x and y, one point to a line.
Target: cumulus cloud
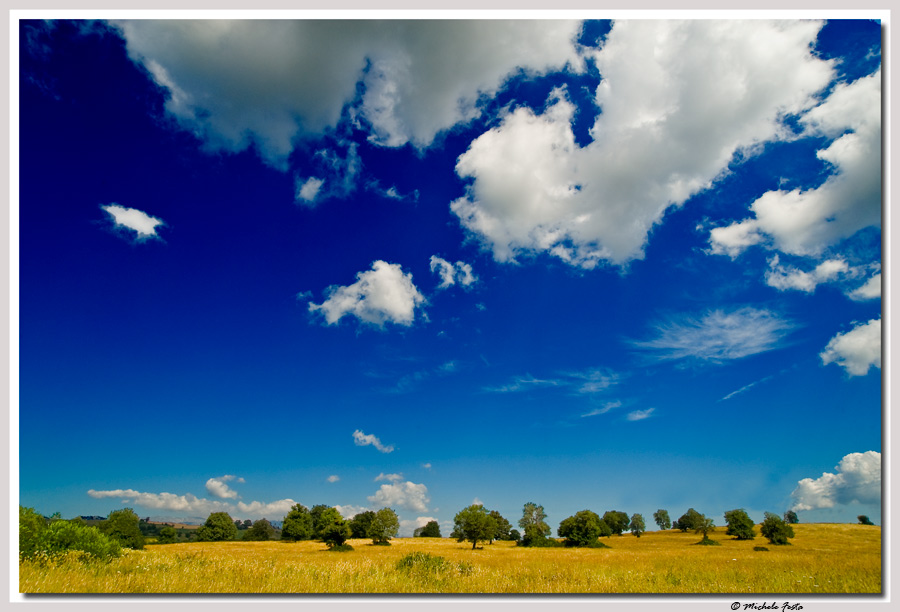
362	439
218	488
858	479
390	477
785	277
263	83
133	220
333	478
349	511
673	117
870	290
807	222
717	336
189	504
857	350
384	294
452	274
308	189
408	495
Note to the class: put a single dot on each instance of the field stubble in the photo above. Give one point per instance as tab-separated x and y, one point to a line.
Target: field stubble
821	559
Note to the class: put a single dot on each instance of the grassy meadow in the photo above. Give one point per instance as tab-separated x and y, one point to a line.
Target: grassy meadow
823	558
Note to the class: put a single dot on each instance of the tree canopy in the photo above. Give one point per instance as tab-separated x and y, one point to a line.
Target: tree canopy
124	526
297	524
662	519
637	525
218	527
688	521
260	531
430	530
740	525
359	524
790	517
776	530
384	526
474	524
503	526
581	529
617	521
533	516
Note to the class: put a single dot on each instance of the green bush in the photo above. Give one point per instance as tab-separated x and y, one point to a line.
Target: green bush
124	525
167	535
218	527
776	530
740	525
39	540
340	548
424	562
761	548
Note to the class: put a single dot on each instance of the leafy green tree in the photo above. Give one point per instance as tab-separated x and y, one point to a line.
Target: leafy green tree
689	520
430	530
617	521
247	524
775	529
218	528
38	537
740	525
124	526
704	525
503	526
514	535
297	524
334	530
359	524
318	523
581	529
31	526
533	516
384	526
260	531
637	525
864	520
473	524
790	517
167	535
662	519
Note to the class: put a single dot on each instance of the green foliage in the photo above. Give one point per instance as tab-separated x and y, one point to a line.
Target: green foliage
336	531
864	520
359	524
662	519
430	530
790	517
260	531
740	525
474	524
776	530
514	535
297	524
167	535
605	530
708	542
218	528
637	525
384	526
760	549
617	521
689	520
322	516
422	562
581	529
503	526
124	525
534	537
41	541
533	516
340	547
704	525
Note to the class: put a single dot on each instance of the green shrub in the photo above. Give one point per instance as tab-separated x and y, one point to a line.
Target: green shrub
124	525
761	548
340	548
776	530
39	540
708	542
423	561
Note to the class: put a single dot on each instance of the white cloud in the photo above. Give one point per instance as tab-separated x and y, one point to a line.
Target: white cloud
477	502
717	336
452	274
390	477
869	291
361	439
218	488
807	222
427	466
858	479
408	495
308	189
349	511
263	83
673	117
640	415
408	527
384	294
587	382
856	350
189	505
607	406
333	478
784	278
143	225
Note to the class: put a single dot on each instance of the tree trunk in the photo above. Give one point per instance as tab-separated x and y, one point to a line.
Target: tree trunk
473	544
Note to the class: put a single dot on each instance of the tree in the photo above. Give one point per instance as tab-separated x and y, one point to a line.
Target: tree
430	530
217	528
689	520
775	529
336	532
864	520
503	526
662	519
318	524
617	521
260	531
167	535
473	524
514	535
384	526
581	529
740	525
297	524
533	516
359	524
124	526
238	523
247	524
790	517
637	525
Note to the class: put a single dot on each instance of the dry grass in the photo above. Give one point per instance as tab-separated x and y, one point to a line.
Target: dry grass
821	559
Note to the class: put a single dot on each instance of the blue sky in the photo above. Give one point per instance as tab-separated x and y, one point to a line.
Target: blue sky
630	266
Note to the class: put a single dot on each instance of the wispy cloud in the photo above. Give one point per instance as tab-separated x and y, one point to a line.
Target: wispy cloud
451	274
586	382
362	439
133	220
640	415
717	336
390	477
333	478
603	409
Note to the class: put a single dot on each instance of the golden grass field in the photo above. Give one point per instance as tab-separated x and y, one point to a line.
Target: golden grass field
823	558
